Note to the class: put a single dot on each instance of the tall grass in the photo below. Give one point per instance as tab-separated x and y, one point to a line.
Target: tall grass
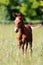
9	54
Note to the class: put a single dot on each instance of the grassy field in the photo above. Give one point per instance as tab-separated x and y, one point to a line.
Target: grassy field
9	51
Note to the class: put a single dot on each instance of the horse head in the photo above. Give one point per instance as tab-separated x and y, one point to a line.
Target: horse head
18	22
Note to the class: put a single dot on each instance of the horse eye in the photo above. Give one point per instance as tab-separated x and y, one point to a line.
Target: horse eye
19	23
20	18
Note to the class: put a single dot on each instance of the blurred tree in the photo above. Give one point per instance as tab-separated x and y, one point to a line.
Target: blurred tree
30	8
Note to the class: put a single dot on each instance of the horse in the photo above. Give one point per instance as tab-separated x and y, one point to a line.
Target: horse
24	31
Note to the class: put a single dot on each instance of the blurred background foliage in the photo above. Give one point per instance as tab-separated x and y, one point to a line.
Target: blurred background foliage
31	9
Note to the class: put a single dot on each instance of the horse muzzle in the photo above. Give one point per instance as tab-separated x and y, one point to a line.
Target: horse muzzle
16	29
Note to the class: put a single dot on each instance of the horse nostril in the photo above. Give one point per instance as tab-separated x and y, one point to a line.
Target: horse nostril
16	30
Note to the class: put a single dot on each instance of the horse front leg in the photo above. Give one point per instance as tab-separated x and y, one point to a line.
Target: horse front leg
23	48
19	45
23	44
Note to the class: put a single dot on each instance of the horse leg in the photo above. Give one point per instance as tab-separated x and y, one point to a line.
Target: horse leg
23	48
19	43
31	48
26	46
20	47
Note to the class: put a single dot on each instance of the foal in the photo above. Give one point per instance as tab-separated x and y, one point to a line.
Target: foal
24	33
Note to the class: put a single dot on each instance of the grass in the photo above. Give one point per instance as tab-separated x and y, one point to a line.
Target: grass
9	51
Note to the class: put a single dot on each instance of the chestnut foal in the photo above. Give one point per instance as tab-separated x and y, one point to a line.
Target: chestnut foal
24	33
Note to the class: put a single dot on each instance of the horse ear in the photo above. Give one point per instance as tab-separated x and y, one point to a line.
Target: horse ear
14	15
20	14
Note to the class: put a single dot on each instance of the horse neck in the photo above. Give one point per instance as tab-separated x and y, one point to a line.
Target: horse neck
22	28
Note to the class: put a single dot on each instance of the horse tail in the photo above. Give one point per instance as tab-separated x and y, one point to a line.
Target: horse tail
35	26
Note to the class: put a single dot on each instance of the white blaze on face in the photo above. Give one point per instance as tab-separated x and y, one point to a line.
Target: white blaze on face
17	18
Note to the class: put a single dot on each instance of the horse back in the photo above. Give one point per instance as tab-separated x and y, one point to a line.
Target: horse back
28	27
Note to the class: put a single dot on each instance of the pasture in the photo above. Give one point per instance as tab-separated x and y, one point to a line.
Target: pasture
9	50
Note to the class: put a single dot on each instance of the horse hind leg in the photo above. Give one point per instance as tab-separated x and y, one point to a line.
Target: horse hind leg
26	46
31	48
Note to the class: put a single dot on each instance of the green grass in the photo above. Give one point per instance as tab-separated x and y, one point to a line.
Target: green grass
9	54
